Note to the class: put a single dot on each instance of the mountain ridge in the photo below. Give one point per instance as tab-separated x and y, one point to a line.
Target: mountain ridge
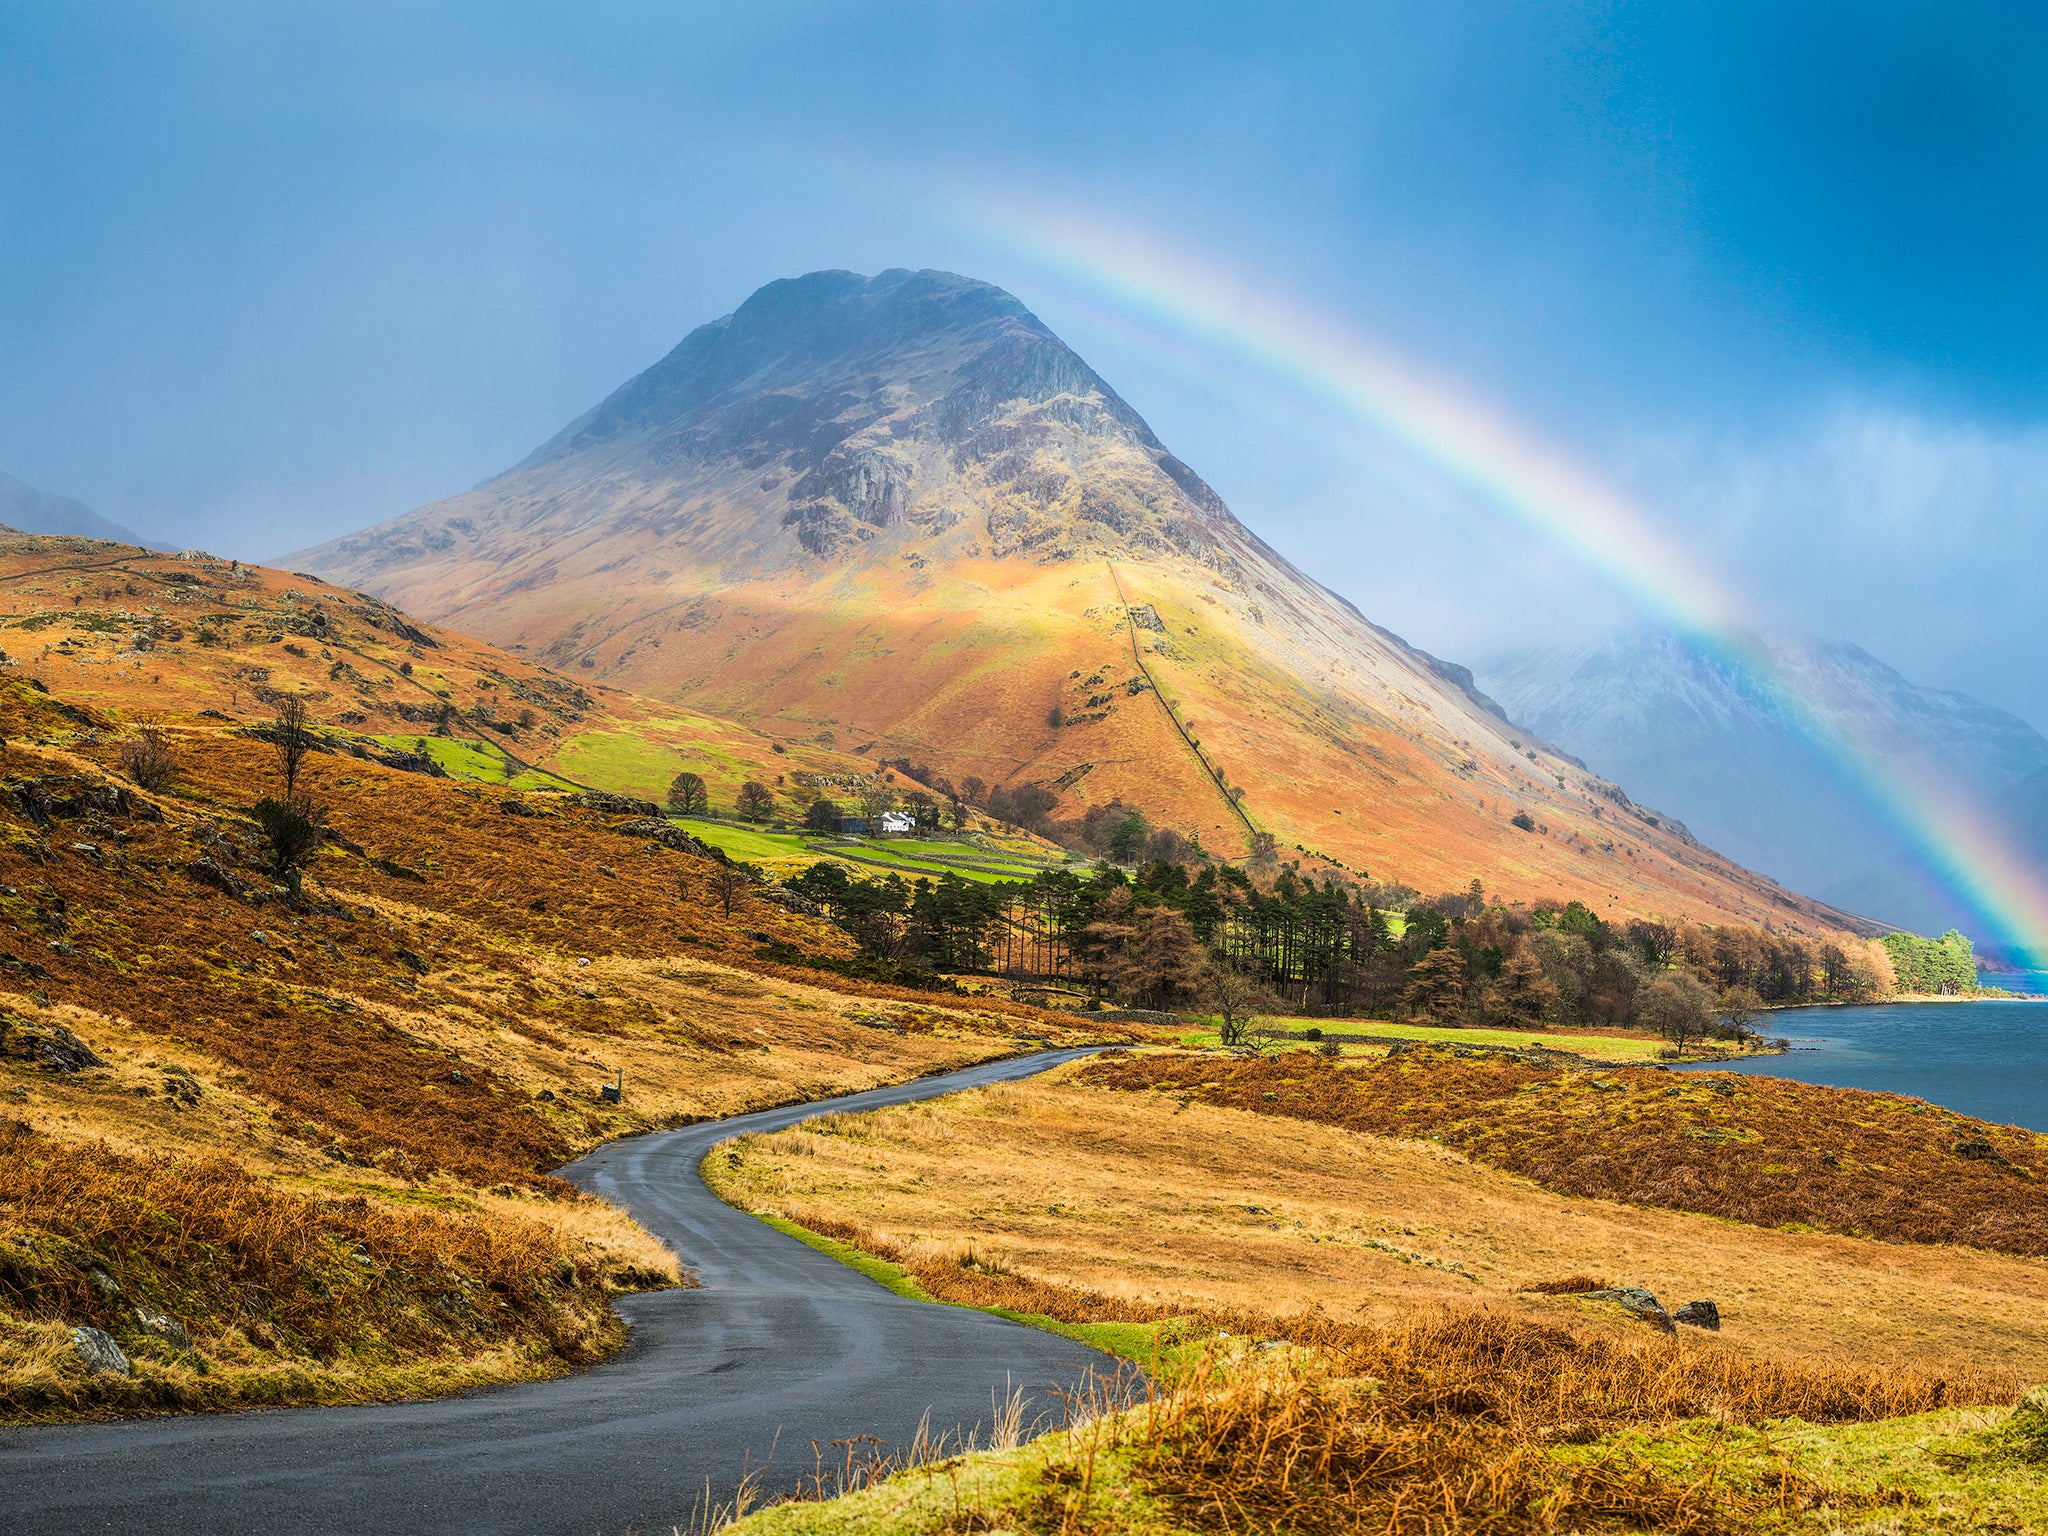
899	515
1697	735
28	510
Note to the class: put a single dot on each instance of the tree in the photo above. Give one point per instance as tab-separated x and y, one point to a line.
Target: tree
291	735
873	801
1436	986
1127	838
291	833
1836	973
728	881
972	790
150	760
923	807
1738	1005
1523	995
823	816
1678	1007
687	795
756	800
1161	961
1235	998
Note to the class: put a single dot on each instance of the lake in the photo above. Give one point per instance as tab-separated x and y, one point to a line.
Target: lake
1984	1059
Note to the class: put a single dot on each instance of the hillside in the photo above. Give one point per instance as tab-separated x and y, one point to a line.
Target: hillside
344	1103
897	516
1697	737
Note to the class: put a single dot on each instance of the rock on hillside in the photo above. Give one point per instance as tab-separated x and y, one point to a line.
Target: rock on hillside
897	514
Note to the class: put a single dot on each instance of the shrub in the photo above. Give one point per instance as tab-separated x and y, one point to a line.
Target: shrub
150	760
291	833
1523	820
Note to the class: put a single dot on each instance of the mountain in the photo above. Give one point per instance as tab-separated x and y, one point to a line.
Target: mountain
898	515
1896	891
29	510
1693	733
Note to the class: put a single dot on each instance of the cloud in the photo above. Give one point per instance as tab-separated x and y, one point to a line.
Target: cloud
1918	537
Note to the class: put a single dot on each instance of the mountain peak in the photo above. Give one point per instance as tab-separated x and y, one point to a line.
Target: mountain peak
899	514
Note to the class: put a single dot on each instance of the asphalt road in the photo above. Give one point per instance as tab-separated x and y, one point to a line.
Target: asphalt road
781	1347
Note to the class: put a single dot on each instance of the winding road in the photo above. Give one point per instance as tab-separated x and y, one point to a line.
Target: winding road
781	1346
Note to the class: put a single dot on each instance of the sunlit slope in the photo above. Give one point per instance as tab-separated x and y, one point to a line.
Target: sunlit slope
897	516
169	637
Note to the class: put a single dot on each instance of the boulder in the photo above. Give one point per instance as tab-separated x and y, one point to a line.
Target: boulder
51	1046
1699	1314
161	1325
206	872
1634	1299
98	1353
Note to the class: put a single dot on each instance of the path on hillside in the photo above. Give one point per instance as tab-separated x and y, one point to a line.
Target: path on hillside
780	1341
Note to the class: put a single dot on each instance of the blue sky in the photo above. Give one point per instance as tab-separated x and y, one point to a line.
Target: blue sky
269	273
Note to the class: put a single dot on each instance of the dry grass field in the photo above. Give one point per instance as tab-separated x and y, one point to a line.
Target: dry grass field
1170	1204
1762	1150
1374	1361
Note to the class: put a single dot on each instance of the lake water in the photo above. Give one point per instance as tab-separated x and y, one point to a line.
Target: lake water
1984	1059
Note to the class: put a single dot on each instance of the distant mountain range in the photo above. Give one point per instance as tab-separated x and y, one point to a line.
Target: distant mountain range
1693	734
28	510
899	515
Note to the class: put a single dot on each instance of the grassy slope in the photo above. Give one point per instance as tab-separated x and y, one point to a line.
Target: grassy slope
1159	1200
1757	1149
1095	1197
1958	1471
424	1034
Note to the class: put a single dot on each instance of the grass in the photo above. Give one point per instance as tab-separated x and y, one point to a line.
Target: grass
1516	1415
1279	1446
1599	1047
289	1298
1172	1206
471	760
1139	1341
1462	1420
750	845
429	1026
1761	1150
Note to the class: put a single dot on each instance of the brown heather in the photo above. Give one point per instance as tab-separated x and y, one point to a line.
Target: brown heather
275	1287
1449	1420
1762	1150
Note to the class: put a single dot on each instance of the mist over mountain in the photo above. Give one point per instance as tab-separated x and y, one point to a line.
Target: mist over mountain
1695	736
28	510
897	514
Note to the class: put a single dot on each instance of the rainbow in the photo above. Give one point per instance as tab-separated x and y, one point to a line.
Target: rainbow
1510	469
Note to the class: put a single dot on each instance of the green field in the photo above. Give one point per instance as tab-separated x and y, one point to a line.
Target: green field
747	844
462	759
1642	1048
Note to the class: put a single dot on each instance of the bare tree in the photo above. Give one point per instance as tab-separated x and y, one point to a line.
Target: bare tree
150	759
291	734
1679	1008
873	801
727	882
1235	998
756	801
